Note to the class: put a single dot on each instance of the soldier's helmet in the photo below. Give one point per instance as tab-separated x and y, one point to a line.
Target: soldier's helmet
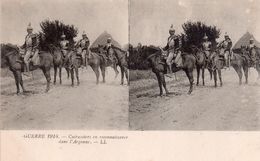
63	36
84	33
109	39
171	29
29	27
205	37
251	40
226	35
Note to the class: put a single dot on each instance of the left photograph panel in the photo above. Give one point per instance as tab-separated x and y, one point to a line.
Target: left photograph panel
64	65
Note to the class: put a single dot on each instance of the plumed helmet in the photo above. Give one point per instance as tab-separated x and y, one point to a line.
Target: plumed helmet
226	35
205	37
63	35
29	27
109	39
84	33
171	29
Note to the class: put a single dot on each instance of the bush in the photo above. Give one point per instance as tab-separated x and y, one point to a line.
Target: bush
51	32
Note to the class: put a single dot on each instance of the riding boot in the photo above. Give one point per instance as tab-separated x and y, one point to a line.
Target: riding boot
169	70
27	69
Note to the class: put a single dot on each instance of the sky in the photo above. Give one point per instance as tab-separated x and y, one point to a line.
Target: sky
91	16
150	20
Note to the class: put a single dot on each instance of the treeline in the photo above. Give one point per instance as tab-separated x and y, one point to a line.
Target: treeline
192	36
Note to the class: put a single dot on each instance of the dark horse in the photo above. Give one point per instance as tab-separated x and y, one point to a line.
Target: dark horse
217	64
158	65
16	65
121	57
201	64
58	62
240	60
75	61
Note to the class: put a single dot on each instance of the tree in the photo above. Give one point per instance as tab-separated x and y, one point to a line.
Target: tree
51	32
195	31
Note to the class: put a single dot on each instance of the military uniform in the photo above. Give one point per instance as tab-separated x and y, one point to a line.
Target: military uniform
83	47
64	45
226	45
206	47
252	51
31	47
172	47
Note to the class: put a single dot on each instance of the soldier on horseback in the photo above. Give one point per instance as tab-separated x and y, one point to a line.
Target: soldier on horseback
30	45
252	51
206	47
226	44
83	45
107	47
173	50
64	45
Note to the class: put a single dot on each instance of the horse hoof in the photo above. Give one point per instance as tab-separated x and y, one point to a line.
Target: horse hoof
78	84
189	92
47	90
54	83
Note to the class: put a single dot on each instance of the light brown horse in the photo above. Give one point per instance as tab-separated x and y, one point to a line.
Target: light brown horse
121	57
241	60
16	65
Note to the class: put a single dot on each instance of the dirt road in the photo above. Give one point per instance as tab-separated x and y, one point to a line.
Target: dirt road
87	106
231	107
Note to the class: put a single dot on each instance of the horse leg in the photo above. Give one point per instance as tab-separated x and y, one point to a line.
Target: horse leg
203	74
198	75
159	83
210	73
55	74
220	77
46	72
16	82
245	68
103	72
72	76
191	80
116	71
215	77
96	71
20	78
77	75
122	75
239	73
126	75
68	73
60	75
164	83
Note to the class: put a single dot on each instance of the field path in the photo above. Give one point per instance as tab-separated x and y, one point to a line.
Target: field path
231	107
87	106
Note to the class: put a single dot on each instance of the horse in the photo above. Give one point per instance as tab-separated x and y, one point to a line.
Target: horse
201	64
75	61
58	62
16	65
154	56
240	60
217	64
121	57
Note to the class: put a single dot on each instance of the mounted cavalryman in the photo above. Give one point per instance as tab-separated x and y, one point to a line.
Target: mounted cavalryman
64	45
252	51
173	50
226	44
30	45
206	47
83	45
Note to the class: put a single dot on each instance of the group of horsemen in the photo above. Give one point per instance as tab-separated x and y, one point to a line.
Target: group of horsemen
174	44
31	47
172	48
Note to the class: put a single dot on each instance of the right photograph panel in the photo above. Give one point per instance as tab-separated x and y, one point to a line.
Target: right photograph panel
194	65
